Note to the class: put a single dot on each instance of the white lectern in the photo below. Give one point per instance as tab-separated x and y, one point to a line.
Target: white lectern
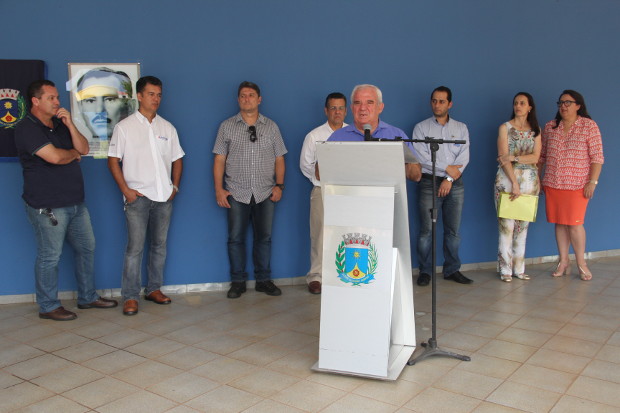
367	318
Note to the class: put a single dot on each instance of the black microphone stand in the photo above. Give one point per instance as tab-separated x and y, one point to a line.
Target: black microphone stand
430	347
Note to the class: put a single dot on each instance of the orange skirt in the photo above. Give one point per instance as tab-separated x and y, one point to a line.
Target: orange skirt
565	207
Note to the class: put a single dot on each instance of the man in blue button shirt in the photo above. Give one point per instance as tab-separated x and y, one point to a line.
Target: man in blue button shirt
452	159
366	106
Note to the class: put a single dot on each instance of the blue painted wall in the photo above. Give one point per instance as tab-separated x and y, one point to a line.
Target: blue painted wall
298	51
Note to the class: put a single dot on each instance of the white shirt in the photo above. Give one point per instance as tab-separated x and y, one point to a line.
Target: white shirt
147	151
307	158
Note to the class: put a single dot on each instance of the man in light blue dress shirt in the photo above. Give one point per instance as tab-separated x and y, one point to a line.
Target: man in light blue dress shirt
452	158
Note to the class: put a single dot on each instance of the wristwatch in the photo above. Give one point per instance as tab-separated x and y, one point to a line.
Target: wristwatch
594	181
281	186
449	178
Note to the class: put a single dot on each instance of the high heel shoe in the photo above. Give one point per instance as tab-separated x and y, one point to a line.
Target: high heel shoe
560	272
586	276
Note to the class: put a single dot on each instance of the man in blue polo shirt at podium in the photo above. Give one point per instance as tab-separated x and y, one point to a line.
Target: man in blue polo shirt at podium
366	105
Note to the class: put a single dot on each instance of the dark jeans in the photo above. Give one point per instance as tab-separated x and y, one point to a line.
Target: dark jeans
451	207
239	216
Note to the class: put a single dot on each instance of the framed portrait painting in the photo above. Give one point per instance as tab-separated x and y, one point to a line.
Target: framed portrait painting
101	94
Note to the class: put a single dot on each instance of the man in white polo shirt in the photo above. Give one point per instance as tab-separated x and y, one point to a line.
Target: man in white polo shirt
152	162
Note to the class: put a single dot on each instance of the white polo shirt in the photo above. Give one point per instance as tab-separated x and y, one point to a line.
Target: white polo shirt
147	151
307	157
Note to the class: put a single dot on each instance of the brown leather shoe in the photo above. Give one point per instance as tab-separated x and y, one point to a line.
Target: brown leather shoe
130	307
158	297
314	287
59	314
99	303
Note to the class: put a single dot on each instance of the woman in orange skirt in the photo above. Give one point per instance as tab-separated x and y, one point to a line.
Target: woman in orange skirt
572	157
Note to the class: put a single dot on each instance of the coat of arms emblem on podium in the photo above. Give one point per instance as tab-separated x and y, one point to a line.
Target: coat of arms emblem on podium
356	259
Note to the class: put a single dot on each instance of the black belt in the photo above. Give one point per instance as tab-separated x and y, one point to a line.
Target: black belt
430	176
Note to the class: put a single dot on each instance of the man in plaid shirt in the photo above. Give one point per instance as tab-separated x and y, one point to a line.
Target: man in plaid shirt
248	174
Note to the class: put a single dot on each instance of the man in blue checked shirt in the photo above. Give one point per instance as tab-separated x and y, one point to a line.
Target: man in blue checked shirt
248	174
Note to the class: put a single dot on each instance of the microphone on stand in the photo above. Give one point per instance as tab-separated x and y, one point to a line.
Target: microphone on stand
367	136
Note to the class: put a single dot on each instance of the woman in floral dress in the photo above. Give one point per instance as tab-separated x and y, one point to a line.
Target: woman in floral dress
518	147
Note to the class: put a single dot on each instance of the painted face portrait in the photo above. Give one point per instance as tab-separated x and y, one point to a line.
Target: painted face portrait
105	98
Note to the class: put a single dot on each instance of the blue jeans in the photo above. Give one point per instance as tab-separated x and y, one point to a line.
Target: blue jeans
74	226
142	215
239	216
451	207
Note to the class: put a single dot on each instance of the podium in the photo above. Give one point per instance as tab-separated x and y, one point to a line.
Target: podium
367	318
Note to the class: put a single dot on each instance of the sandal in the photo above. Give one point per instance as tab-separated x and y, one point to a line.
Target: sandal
522	276
560	272
506	278
585	275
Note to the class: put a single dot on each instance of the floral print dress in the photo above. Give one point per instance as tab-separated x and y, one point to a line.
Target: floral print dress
512	233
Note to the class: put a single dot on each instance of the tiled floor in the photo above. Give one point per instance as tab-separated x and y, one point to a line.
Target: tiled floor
540	345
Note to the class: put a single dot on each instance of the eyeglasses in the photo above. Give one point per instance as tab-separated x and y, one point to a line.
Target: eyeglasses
252	130
566	103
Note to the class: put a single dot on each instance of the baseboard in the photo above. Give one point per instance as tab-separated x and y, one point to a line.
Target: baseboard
223	286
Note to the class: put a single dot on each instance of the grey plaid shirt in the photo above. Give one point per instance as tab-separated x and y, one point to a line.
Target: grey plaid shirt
250	166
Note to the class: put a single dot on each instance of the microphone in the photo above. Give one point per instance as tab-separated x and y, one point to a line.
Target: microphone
367	136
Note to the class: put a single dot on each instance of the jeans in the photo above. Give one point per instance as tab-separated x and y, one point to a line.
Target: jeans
142	215
74	226
451	207
239	216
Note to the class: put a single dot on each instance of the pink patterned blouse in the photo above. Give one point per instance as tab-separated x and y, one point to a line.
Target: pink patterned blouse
567	157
